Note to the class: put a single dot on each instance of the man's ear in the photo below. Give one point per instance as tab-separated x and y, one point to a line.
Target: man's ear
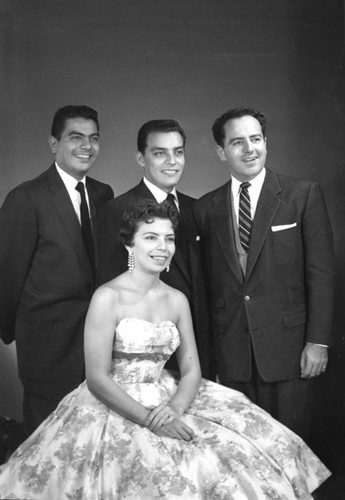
52	144
140	159
220	152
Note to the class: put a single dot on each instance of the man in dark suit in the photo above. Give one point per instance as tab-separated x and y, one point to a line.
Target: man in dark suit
161	154
48	264
269	259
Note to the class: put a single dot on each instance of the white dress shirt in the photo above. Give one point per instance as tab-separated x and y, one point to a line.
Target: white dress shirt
70	184
159	194
254	191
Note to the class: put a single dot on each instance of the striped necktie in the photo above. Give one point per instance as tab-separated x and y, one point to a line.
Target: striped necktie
244	216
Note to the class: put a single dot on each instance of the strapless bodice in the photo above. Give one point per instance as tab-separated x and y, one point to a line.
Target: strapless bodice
141	349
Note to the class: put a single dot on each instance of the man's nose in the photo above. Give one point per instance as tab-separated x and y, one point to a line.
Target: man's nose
171	158
248	145
86	143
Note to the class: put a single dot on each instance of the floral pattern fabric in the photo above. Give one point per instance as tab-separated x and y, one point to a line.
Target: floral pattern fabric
85	451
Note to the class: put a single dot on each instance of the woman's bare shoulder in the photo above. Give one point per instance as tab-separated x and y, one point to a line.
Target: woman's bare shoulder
110	291
174	295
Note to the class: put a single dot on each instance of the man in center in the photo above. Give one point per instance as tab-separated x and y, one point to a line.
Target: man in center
161	154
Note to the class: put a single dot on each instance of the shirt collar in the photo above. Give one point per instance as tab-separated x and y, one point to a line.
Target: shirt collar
69	181
255	184
157	192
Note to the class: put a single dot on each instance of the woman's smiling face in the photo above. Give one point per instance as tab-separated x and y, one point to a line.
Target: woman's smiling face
153	244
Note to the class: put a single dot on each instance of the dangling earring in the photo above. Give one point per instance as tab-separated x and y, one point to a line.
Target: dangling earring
168	268
131	261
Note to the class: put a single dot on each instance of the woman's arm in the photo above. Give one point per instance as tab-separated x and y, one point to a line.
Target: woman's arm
101	321
188	360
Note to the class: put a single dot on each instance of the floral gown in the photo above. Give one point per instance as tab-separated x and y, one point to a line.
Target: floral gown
84	451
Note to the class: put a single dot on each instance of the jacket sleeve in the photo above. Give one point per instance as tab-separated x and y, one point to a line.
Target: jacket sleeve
18	238
107	195
320	268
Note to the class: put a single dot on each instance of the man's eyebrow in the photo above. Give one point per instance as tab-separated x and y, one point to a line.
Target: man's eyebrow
155	148
241	137
77	132
235	139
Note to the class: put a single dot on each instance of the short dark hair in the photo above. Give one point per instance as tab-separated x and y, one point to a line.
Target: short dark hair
163	126
71	111
218	126
145	211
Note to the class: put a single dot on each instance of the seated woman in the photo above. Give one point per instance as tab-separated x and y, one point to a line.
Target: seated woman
133	431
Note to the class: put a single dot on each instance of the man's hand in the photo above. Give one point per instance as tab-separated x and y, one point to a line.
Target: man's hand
314	360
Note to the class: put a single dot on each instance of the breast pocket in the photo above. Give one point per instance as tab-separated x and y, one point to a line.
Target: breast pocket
287	251
286	233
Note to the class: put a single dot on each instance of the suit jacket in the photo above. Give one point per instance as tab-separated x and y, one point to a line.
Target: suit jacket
286	296
185	270
46	281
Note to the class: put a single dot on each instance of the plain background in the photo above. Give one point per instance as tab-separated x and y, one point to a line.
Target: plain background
136	60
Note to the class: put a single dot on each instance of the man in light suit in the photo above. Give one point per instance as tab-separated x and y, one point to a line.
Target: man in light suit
161	155
47	271
270	274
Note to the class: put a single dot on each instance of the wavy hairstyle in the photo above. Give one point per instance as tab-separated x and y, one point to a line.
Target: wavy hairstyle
144	211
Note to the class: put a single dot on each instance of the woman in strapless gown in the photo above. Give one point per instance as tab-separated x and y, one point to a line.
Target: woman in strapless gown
133	430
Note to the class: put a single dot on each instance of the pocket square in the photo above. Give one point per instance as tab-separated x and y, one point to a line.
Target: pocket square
283	227
197	238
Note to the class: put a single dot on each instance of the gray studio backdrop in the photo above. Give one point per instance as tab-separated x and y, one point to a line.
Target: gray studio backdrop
135	60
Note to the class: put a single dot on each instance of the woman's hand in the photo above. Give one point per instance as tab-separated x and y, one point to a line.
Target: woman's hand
176	430
158	416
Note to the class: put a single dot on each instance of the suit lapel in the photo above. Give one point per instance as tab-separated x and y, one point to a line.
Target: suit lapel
183	235
67	215
265	211
141	191
223	227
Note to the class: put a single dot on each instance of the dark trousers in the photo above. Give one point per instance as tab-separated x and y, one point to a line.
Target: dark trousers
289	402
35	411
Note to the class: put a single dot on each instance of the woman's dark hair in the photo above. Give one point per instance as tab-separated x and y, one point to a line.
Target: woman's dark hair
145	211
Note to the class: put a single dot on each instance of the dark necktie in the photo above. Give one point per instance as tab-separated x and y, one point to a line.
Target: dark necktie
244	216
171	200
86	223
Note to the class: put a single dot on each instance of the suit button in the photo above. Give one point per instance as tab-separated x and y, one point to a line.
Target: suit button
247	298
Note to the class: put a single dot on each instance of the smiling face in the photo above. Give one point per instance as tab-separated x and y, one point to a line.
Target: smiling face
163	160
153	245
77	148
244	147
